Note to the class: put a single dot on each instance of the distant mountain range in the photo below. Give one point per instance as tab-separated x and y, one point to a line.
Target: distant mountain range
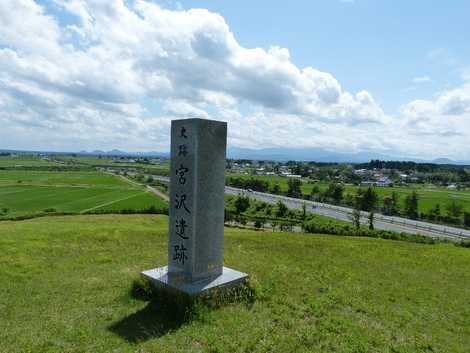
123	153
321	155
275	154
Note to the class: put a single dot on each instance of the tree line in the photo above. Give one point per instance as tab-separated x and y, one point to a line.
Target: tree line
363	200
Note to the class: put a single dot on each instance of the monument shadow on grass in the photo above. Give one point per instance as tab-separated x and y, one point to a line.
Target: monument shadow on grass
152	321
167	311
163	313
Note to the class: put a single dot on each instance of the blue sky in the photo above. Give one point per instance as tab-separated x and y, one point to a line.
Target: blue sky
380	46
391	77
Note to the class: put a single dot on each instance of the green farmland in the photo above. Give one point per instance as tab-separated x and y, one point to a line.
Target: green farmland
32	192
161	167
66	288
82	162
26	161
429	195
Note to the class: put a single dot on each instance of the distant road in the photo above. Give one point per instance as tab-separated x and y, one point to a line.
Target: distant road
396	224
149	188
158	193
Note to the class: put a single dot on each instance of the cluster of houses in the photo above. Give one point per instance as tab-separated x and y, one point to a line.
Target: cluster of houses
133	160
375	178
381	178
266	169
366	177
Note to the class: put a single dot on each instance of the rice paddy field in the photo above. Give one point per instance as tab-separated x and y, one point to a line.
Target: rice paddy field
26	192
160	167
26	161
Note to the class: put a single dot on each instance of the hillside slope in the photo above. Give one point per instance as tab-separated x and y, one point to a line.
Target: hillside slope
65	288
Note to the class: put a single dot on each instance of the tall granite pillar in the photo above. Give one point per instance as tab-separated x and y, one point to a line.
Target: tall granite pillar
196	222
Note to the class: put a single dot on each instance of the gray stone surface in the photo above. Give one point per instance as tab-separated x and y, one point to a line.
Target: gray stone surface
162	279
196	222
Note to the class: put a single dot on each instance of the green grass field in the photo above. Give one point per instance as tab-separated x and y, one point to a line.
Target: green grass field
25	161
66	288
30	192
429	195
137	202
40	178
160	168
69	161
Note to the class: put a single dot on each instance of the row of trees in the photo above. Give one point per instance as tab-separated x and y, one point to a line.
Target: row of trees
255	184
242	203
454	214
251	183
406	166
368	200
364	199
242	210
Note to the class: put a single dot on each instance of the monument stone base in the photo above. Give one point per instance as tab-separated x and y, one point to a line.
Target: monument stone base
228	279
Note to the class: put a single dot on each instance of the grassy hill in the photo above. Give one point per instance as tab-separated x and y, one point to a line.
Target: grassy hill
65	287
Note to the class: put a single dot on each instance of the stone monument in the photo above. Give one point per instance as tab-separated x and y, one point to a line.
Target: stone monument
196	222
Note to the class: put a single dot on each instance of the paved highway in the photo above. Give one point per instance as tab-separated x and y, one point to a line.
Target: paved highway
396	224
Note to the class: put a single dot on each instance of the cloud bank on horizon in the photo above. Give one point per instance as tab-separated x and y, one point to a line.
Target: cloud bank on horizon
105	74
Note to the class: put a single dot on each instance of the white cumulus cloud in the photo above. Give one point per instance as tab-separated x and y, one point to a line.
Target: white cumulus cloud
78	74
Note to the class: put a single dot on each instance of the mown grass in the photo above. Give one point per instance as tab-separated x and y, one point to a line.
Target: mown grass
66	288
31	192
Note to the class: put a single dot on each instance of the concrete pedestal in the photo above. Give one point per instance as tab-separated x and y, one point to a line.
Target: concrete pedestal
160	278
